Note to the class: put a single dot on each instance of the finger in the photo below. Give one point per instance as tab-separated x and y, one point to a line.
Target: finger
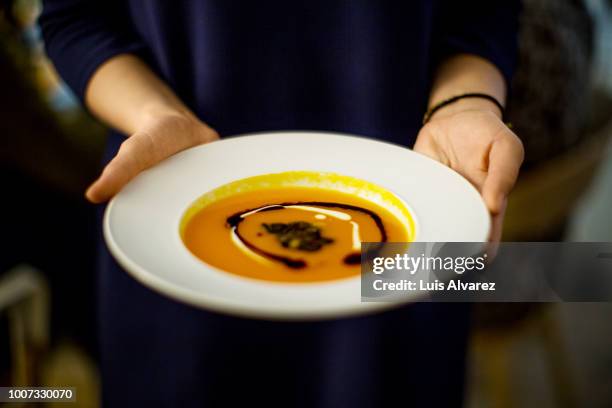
497	224
495	235
505	159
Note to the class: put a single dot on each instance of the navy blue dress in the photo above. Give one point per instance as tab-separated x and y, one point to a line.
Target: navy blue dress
353	66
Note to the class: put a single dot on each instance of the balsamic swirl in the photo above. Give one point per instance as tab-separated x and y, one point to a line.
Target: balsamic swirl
234	221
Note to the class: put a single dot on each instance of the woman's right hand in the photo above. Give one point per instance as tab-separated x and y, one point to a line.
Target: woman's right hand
159	137
128	96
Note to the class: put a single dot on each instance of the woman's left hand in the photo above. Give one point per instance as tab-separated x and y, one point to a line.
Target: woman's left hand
479	146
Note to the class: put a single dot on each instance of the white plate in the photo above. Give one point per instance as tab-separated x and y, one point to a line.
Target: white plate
141	224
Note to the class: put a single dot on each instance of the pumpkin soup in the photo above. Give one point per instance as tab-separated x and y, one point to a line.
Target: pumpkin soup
289	234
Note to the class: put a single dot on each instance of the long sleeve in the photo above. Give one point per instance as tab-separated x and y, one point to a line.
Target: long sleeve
81	35
487	28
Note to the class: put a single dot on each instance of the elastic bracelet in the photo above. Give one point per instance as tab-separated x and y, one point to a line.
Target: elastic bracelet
448	101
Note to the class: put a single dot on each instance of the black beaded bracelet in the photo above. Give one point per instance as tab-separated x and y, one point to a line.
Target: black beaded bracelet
448	101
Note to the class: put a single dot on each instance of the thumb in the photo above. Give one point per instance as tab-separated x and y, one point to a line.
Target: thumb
505	159
137	153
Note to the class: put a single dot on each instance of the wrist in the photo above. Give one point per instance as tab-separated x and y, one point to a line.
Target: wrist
154	112
466	74
174	120
464	105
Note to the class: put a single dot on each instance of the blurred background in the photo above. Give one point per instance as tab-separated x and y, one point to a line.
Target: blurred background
521	355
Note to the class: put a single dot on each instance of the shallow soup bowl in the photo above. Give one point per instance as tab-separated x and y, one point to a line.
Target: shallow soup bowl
144	222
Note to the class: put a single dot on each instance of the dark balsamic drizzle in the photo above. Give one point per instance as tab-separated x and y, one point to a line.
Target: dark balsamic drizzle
290	262
351	259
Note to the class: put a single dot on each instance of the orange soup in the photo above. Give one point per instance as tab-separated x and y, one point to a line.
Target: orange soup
289	234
